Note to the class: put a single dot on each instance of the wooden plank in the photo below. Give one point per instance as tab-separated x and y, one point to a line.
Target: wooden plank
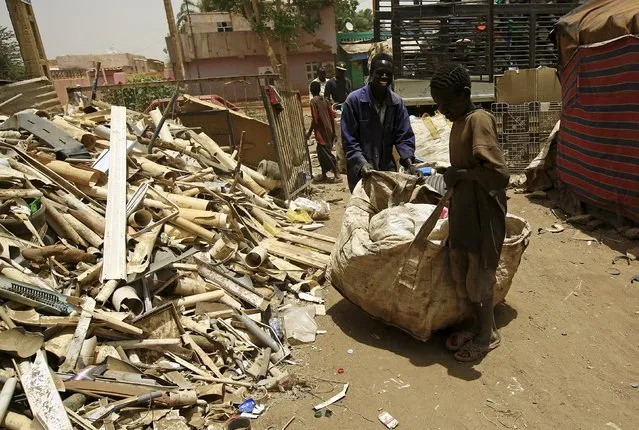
320	245
231	287
42	395
206	360
294	272
78	338
108	388
310	234
115	323
114	266
304	256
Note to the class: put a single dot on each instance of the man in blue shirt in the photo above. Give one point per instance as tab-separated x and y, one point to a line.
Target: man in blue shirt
374	120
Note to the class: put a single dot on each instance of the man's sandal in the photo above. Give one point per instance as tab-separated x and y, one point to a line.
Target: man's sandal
472	351
458	339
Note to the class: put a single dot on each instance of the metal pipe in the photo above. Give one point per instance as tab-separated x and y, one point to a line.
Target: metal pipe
156	133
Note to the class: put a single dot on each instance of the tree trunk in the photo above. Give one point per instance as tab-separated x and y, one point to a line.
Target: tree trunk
252	14
284	72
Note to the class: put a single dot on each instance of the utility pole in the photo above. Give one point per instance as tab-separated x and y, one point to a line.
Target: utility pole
28	35
197	63
178	68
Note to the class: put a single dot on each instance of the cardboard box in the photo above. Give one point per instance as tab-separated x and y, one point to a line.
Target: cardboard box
529	85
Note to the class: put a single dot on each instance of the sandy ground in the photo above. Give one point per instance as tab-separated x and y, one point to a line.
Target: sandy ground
569	356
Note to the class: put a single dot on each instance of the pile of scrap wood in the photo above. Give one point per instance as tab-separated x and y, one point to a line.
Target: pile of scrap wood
146	275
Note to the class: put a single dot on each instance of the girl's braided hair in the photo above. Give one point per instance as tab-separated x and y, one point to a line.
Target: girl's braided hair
451	76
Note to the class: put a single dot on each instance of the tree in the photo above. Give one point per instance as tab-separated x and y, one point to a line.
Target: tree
138	99
363	20
11	65
345	10
187	7
275	21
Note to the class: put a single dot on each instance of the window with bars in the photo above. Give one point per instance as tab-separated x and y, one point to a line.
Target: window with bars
224	26
311	70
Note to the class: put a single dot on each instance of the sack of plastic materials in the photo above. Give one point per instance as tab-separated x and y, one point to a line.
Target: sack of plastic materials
391	257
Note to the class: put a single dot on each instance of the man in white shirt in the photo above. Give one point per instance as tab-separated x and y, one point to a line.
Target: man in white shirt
321	78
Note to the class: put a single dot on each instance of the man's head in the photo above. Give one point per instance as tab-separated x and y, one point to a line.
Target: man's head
315	88
381	73
340	70
450	88
321	73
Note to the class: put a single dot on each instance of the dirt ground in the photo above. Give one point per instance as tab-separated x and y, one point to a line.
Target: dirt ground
569	356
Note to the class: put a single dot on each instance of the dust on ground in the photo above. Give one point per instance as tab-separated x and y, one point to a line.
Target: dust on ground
569	356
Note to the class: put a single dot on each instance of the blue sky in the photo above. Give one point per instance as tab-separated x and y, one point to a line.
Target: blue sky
96	27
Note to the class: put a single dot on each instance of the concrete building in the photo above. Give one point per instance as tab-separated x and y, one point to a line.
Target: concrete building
79	70
221	44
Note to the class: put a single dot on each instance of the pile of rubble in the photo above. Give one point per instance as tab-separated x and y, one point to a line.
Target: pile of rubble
147	276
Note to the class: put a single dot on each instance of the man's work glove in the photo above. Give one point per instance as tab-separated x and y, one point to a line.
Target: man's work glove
452	175
407	163
366	170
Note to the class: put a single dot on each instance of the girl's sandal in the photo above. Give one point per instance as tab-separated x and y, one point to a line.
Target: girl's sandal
473	352
458	339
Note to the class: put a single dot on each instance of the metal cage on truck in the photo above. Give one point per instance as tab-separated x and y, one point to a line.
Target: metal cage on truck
429	33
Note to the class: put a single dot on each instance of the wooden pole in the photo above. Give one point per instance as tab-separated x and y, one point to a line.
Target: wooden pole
178	68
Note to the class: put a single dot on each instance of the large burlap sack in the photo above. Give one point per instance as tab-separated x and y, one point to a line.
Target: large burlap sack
408	283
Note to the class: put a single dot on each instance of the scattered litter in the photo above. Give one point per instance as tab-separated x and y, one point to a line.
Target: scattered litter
400	384
574	292
349	351
388	420
555	228
635	279
337	397
635	385
310	298
613	271
247	406
627	258
318	210
340	370
515	386
299	323
584	237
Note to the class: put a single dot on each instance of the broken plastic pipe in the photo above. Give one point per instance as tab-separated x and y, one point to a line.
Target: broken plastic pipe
127	296
5	396
256	257
264	338
140	219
